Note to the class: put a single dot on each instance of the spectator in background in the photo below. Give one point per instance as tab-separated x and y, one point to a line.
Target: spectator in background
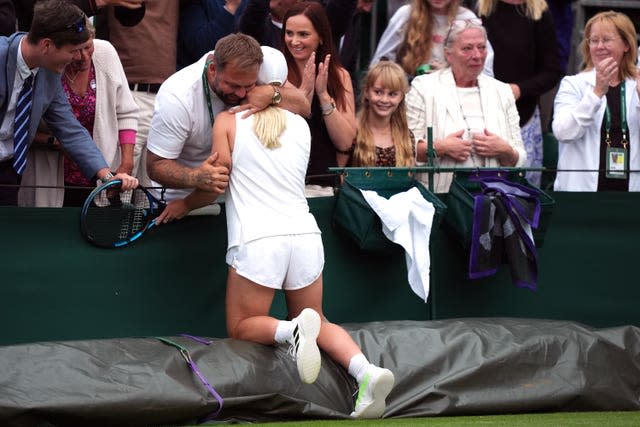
31	77
24	8
394	5
262	19
563	18
100	99
473	116
202	24
597	112
147	51
144	35
383	137
7	18
314	67
350	44
415	35
526	57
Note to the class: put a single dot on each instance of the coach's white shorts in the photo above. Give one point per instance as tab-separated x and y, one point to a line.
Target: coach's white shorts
280	262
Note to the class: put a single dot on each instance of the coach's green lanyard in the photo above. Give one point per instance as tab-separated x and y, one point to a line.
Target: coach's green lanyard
207	91
616	157
623	119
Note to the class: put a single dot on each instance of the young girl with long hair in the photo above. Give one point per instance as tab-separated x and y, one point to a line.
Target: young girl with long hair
383	137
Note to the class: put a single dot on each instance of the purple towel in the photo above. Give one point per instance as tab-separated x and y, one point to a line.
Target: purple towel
503	216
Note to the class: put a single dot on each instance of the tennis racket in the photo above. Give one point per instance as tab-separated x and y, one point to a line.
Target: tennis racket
111	218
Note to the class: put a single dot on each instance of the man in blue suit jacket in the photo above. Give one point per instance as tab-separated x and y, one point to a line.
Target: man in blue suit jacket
57	34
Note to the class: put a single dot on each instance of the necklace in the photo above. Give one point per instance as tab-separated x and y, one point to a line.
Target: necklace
72	80
477	117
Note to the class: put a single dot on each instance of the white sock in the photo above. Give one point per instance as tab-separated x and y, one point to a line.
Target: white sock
284	331
358	366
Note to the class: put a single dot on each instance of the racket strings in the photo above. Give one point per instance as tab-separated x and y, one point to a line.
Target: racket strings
116	216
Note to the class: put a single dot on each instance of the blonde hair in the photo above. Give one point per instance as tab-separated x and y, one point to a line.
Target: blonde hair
268	125
627	32
392	77
417	45
533	8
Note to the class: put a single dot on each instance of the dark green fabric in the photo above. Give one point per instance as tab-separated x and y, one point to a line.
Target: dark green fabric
585	268
354	217
56	286
460	200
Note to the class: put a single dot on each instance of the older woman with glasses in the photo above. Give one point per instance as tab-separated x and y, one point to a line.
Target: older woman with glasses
597	113
473	116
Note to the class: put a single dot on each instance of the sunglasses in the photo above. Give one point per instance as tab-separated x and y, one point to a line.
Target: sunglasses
77	26
461	24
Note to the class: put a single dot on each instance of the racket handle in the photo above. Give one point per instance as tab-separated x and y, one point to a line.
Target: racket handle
213	209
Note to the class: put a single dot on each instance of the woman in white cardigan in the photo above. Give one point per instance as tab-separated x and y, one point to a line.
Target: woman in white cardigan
473	116
580	120
96	82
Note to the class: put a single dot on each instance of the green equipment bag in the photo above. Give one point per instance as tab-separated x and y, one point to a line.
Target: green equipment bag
460	199
354	217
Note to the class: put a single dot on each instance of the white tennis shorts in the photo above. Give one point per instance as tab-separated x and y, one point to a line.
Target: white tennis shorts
280	262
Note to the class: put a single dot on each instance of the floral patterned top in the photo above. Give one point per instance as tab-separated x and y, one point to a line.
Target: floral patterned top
385	157
84	108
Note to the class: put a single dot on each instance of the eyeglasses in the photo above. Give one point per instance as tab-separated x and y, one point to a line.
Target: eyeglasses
77	26
461	24
607	42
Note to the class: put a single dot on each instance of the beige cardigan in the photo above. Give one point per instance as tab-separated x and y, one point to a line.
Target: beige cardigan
115	110
433	101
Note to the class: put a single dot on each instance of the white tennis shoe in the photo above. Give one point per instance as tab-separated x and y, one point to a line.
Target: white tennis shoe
304	348
374	389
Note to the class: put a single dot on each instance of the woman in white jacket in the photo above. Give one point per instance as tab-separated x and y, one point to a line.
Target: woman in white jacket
473	116
597	112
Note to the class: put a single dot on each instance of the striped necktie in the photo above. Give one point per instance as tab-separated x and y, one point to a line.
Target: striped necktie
21	125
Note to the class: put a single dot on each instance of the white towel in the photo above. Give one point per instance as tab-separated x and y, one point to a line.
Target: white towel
406	220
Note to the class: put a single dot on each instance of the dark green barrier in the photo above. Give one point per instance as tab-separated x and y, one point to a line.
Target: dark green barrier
55	286
586	269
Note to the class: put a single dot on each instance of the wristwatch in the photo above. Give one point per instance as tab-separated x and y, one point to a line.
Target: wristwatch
108	177
327	109
277	98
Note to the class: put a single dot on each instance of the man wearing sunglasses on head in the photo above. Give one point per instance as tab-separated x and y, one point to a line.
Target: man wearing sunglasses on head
30	90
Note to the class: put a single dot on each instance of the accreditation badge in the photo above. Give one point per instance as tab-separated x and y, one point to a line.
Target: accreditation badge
616	163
